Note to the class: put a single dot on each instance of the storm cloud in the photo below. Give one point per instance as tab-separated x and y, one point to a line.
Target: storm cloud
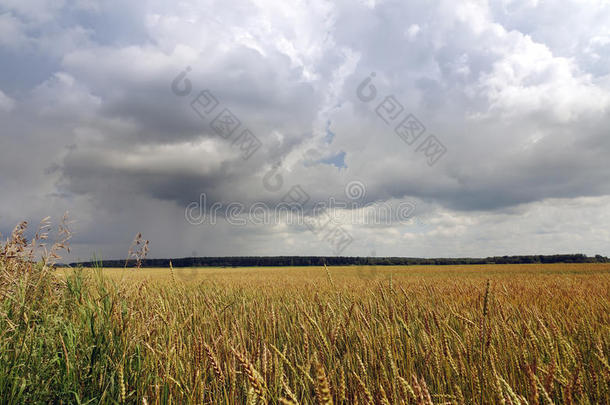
516	92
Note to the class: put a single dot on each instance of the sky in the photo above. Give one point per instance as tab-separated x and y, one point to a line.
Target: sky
354	128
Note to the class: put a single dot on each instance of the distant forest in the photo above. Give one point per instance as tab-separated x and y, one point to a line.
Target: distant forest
259	261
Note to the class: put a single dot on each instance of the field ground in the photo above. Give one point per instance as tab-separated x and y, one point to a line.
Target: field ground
350	274
491	334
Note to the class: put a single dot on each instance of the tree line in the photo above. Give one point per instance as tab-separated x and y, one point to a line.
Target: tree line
262	261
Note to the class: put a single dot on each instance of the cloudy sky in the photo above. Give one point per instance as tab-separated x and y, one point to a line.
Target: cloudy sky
489	119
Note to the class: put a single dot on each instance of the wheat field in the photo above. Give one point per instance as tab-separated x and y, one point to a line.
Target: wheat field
513	334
